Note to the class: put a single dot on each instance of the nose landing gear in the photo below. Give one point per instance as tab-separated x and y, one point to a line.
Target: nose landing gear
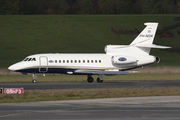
34	78
34	81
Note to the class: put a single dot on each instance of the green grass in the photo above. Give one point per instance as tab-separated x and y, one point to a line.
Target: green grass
51	78
68	94
23	35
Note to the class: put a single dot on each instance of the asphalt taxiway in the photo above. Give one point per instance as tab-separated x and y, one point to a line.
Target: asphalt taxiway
85	84
132	108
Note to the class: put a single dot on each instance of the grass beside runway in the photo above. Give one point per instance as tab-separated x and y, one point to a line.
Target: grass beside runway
69	94
60	77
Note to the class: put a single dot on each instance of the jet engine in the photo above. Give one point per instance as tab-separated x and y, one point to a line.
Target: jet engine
123	59
157	59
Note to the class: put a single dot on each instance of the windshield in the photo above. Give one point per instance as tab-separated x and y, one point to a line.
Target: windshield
29	59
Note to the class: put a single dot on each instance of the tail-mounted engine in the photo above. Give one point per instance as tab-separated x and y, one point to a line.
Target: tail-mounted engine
157	59
123	59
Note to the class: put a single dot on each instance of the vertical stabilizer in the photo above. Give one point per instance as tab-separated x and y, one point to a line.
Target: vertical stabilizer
146	37
141	45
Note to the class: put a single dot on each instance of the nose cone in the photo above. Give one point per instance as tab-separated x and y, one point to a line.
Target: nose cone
17	66
13	67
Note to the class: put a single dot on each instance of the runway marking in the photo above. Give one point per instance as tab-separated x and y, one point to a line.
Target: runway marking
127	110
18	112
78	110
83	109
9	115
24	112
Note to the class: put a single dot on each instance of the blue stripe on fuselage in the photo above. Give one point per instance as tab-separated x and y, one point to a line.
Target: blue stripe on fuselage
50	70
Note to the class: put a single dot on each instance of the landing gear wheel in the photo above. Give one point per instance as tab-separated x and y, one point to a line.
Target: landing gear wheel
99	81
90	79
34	81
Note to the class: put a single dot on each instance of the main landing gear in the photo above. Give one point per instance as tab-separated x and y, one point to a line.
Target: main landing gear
99	79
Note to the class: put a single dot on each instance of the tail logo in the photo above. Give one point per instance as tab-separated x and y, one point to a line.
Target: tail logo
149	35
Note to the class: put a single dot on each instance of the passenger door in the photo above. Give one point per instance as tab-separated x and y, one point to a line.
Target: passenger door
43	64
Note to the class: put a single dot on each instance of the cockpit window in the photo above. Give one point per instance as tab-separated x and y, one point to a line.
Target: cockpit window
26	59
34	59
30	59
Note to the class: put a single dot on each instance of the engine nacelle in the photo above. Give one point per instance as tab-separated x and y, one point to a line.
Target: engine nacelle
157	59
123	59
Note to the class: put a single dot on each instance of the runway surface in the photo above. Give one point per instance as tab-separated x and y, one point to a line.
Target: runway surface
132	108
105	84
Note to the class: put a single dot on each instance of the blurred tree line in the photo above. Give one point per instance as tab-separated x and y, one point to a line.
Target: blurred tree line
30	7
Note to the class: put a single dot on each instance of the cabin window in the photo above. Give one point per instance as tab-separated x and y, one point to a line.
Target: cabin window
91	61
79	61
67	61
63	61
75	61
59	61
83	61
87	61
55	61
95	61
71	61
99	61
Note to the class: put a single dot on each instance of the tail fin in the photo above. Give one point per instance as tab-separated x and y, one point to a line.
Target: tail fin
141	45
145	39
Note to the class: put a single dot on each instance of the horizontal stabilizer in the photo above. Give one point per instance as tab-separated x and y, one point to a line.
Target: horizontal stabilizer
96	72
153	46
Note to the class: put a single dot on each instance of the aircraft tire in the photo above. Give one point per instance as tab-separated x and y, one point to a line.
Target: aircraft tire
34	81
90	79
99	81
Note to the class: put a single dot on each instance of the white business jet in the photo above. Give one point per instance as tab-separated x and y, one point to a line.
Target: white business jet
116	61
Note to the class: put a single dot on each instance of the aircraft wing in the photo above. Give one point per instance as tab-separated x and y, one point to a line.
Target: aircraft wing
97	72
